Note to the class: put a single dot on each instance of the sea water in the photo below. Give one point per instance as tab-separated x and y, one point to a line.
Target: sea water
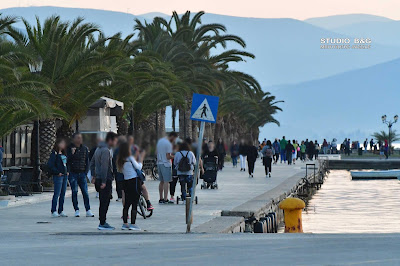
360	206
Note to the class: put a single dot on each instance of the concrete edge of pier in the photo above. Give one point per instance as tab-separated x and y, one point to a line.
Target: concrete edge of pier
233	221
266	201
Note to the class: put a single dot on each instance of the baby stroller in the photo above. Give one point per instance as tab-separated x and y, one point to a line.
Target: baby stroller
209	177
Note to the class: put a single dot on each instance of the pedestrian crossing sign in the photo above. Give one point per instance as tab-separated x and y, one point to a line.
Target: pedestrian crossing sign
204	108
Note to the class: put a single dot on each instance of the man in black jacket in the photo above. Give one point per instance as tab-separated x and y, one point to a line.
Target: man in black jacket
78	167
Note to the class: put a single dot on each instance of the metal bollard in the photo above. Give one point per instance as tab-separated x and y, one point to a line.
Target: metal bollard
292	208
187	211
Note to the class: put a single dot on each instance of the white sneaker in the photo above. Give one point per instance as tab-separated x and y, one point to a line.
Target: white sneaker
77	214
89	214
55	215
62	214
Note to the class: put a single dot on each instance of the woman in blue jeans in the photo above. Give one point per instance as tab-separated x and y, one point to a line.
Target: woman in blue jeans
184	162
57	165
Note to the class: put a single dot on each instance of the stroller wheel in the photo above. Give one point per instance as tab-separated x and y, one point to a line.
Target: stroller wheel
177	200
196	200
216	186
202	186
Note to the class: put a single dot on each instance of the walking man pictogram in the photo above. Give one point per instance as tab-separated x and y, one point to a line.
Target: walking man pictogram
204	108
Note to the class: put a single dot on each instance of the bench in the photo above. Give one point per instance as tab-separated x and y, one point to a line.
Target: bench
18	181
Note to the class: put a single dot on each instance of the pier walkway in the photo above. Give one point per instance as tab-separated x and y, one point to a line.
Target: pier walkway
235	189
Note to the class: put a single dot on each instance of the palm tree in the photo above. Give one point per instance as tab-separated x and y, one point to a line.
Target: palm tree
71	66
382	136
22	96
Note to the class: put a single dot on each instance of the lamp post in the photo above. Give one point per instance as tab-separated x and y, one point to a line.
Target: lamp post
389	124
35	67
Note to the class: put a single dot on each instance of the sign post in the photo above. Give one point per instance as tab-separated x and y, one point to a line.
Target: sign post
204	109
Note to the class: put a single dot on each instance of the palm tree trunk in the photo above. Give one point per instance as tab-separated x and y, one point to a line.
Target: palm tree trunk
185	125
122	125
173	118
47	139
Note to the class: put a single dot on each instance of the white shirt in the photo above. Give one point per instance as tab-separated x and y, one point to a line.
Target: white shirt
164	147
128	170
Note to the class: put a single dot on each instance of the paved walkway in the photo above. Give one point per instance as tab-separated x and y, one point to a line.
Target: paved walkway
235	188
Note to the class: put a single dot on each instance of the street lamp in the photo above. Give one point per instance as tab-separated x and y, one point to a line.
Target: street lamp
35	67
389	124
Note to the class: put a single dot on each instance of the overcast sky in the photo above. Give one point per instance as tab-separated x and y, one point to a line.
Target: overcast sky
299	9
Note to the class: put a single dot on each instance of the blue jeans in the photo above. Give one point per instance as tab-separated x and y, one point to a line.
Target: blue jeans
186	182
60	186
283	155
234	160
75	180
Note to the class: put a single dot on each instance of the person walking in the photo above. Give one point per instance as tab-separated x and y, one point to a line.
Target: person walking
316	151
101	167
289	152
283	144
132	184
366	145
242	155
371	145
303	151
118	176
221	153
175	179
164	165
387	149
268	152
78	167
294	153
184	164
325	147
252	154
310	150
277	150
234	153
57	166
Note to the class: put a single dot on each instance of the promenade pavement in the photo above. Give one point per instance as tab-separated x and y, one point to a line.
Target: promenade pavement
235	188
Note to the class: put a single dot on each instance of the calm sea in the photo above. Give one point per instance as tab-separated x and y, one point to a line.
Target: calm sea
346	206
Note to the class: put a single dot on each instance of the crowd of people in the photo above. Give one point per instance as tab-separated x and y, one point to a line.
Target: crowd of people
119	158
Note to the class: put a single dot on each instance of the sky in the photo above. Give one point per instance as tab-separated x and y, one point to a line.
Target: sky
298	9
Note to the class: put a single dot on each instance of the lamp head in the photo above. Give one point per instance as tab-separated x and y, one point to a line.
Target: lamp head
396	117
383	118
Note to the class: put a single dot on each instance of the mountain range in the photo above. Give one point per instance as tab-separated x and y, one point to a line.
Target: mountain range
331	92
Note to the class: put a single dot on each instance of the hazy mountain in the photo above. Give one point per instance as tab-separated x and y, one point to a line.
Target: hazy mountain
345	105
386	33
336	21
287	50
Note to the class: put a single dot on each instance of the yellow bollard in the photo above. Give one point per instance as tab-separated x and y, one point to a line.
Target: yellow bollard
293	208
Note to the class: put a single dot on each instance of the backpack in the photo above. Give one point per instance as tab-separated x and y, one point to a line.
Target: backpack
184	164
268	152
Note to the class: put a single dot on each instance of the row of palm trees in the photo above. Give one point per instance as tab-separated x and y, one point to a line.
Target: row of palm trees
162	63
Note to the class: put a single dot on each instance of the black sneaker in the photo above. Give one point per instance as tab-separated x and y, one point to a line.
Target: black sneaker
161	201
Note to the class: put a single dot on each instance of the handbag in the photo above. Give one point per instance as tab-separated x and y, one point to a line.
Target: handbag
141	175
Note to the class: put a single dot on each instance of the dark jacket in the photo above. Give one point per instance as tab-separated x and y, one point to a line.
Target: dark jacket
252	153
289	148
234	150
79	161
56	165
101	165
242	149
221	149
